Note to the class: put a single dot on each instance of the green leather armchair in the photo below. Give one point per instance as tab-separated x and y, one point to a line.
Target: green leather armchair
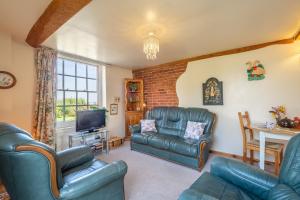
30	170
234	180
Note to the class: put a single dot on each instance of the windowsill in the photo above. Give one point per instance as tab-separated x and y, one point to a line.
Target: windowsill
65	125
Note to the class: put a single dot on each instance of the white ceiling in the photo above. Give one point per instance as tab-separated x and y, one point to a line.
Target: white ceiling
18	16
112	31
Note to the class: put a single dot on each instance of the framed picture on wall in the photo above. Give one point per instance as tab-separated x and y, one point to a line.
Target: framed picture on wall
212	92
113	109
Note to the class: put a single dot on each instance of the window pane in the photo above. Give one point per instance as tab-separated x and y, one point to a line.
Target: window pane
69	83
59	82
81	70
60	98
59	113
70	98
59	66
70	113
69	67
92	85
93	98
81	108
92	71
81	84
82	98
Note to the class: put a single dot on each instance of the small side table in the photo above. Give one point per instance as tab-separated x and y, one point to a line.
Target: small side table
98	140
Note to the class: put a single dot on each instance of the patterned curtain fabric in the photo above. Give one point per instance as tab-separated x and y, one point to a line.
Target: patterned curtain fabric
44	115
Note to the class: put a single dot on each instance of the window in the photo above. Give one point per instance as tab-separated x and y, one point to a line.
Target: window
77	88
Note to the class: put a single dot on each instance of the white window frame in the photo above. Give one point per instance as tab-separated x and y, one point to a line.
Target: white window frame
98	86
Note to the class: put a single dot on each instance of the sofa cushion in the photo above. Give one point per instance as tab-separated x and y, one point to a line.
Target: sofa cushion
161	141
141	138
217	188
194	130
82	170
188	147
148	125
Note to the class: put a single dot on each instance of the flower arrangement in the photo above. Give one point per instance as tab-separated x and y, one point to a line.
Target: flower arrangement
278	112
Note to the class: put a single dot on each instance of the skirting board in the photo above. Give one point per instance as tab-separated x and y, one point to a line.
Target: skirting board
229	155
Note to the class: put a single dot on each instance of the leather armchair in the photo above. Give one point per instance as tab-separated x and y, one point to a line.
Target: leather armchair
232	179
33	171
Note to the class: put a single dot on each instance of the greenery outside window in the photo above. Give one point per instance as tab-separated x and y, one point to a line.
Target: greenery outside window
77	88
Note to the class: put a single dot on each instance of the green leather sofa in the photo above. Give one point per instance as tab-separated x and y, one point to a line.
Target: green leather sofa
30	170
234	180
168	143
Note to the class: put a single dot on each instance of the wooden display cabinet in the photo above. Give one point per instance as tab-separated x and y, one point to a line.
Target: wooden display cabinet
134	103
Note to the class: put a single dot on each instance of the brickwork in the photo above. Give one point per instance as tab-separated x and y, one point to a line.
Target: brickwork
160	83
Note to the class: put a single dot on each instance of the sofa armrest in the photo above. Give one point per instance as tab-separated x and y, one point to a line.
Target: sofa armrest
204	143
247	177
136	128
93	181
191	194
74	157
205	138
282	192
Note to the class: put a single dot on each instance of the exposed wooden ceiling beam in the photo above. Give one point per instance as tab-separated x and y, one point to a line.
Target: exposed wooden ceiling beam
227	52
297	35
56	14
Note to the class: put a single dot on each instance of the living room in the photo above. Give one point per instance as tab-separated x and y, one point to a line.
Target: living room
170	101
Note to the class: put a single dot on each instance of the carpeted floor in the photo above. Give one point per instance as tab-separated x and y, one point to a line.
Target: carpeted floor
151	178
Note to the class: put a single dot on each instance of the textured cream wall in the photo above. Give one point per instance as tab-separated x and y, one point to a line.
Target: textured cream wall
281	86
16	104
115	77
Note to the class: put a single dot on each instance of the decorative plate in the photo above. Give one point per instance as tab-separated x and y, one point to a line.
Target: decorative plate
7	80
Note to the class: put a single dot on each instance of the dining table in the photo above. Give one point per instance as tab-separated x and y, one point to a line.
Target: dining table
271	133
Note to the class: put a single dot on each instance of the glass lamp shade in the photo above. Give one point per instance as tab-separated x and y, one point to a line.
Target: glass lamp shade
151	46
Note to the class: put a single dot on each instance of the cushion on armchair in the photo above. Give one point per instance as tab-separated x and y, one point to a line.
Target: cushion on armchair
73	157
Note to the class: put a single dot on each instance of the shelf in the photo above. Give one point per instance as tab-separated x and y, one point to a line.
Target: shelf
134	101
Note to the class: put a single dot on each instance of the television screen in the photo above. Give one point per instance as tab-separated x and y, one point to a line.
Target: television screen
89	120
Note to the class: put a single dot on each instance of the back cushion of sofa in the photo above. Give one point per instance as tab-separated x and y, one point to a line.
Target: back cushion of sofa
169	120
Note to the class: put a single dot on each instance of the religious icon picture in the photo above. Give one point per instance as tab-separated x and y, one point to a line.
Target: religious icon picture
212	92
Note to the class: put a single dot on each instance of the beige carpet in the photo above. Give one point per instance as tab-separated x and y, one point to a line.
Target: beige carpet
151	178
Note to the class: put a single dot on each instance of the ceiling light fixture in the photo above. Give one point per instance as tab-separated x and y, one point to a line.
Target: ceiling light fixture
151	46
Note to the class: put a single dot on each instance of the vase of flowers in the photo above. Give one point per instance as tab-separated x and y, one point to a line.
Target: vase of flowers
279	114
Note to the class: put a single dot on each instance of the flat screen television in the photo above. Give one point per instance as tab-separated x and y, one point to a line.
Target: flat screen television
89	120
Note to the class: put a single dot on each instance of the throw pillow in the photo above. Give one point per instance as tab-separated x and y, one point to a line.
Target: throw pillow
194	130
148	125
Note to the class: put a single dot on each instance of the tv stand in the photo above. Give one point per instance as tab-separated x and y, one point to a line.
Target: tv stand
96	139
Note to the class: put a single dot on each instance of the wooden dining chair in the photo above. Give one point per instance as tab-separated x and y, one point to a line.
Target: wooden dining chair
251	144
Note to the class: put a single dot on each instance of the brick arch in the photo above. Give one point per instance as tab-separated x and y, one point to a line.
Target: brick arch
160	83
